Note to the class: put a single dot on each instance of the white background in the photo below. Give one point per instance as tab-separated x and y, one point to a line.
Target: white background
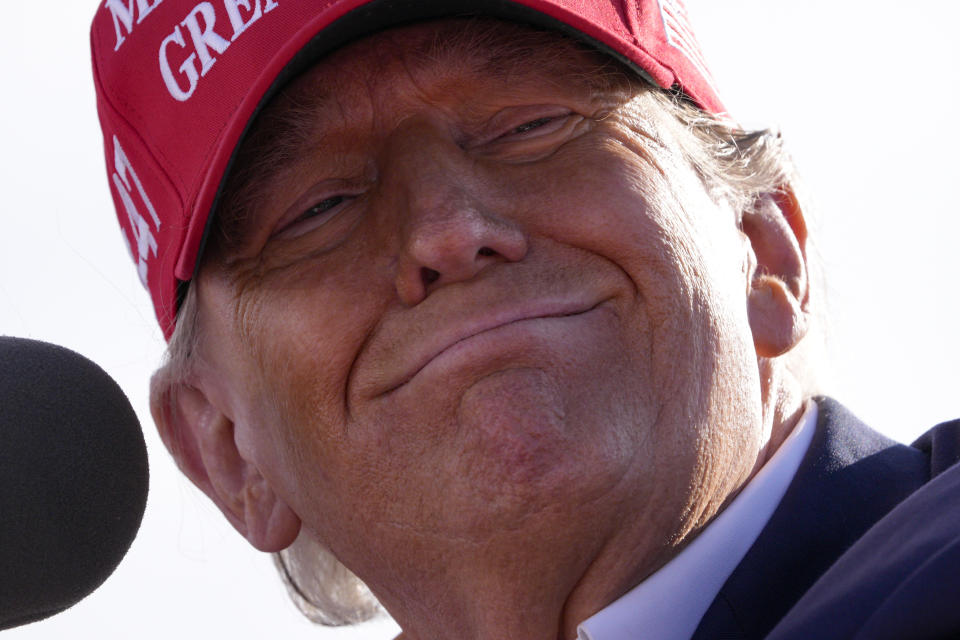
866	94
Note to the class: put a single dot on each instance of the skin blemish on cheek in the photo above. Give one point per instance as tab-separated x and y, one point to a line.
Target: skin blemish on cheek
515	419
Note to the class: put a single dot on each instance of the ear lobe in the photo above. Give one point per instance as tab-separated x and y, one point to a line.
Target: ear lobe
201	440
778	293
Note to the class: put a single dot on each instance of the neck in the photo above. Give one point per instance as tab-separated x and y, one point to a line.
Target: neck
783	403
537	583
535	592
540	581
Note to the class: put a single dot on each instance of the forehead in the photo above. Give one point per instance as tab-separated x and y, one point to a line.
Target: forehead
442	61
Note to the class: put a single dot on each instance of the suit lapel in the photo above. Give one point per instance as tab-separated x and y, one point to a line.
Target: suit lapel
850	477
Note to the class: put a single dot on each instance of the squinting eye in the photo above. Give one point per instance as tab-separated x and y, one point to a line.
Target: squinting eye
533	124
320	208
314	217
542	127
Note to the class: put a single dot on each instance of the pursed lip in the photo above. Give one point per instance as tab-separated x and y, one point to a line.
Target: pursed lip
454	333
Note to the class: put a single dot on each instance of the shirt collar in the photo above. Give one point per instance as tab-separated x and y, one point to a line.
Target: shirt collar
668	605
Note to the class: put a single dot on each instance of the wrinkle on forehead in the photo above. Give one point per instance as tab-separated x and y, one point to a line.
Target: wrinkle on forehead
438	54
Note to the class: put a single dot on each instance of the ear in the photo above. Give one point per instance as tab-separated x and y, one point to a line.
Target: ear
778	288
201	440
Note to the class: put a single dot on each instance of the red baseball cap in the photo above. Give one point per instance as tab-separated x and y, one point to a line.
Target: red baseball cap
178	83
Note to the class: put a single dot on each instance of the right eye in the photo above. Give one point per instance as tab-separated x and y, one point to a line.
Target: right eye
314	216
321	208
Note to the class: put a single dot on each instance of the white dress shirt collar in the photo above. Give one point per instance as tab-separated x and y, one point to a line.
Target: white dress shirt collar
668	605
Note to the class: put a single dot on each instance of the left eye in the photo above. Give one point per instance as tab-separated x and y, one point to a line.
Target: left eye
522	129
533	124
542	126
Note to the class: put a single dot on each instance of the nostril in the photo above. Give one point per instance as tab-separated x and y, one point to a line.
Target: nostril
428	275
486	252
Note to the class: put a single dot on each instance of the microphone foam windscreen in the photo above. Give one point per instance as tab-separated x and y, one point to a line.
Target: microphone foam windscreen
73	478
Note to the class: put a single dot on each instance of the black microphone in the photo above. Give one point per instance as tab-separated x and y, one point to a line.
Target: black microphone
73	478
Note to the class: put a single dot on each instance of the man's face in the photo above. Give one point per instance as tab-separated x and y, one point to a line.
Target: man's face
485	300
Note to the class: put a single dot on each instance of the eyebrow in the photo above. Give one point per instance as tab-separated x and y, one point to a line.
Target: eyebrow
282	135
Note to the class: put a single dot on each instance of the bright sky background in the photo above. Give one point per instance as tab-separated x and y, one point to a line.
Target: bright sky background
865	92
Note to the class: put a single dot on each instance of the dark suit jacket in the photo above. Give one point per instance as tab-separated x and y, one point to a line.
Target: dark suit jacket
884	516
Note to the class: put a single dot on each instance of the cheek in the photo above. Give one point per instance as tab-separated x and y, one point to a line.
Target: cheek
681	252
313	316
613	207
604	204
300	330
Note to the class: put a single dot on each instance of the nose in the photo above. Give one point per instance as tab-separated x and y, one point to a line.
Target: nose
447	235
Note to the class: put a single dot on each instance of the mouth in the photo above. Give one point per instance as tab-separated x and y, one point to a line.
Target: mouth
483	334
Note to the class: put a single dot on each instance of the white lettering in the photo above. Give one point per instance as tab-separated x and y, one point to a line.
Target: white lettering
123	15
233	10
146	243
200	25
188	68
206	36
